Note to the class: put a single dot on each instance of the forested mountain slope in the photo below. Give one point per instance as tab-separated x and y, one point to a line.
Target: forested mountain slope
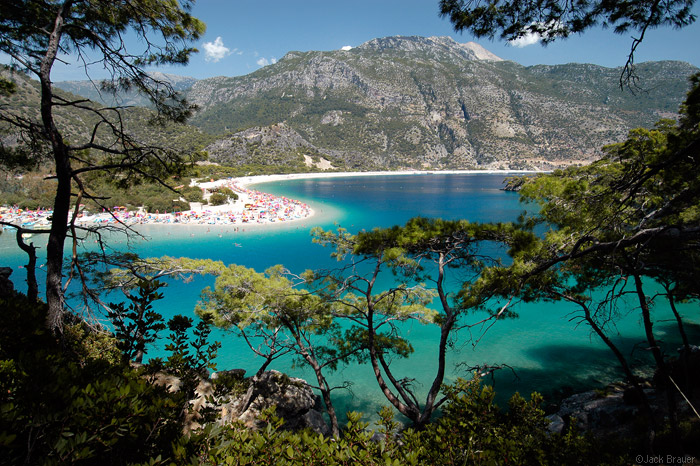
434	103
416	102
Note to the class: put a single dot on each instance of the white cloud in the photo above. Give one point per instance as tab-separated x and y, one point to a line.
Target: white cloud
215	51
530	38
346	47
264	61
551	30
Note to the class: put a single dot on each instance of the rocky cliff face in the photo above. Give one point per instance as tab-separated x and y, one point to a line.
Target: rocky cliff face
422	102
434	103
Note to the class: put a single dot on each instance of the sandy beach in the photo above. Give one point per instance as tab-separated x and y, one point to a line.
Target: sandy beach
252	208
256	179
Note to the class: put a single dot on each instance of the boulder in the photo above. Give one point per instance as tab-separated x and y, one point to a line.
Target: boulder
294	401
601	412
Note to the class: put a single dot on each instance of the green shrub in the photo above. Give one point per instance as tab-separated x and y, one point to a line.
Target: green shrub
61	403
180	206
228	192
192	194
60	407
218	199
473	430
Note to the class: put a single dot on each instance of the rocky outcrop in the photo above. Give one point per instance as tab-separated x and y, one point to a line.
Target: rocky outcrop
604	413
275	144
440	48
615	411
293	399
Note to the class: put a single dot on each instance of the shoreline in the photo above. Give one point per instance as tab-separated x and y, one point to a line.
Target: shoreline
252	209
258	179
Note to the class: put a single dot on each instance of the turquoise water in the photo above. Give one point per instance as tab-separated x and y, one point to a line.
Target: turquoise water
544	347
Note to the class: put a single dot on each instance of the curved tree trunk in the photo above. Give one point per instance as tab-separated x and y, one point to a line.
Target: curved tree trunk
685	355
57	235
308	354
32	285
325	393
407	410
445	330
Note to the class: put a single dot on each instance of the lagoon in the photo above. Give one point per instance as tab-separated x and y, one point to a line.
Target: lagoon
544	349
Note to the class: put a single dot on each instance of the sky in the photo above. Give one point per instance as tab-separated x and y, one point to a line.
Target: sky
245	35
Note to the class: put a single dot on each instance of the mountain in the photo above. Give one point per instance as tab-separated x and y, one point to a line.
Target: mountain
77	125
433	103
419	102
92	90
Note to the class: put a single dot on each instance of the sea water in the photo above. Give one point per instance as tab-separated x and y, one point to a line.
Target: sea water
544	349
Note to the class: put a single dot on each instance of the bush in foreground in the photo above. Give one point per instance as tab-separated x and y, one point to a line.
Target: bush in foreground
63	402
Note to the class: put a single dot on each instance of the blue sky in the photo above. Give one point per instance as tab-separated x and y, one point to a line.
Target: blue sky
244	35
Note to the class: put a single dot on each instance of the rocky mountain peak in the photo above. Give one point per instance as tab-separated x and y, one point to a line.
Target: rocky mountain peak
433	46
480	52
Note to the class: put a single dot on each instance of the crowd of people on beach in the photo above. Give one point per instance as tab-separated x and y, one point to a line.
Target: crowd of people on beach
252	207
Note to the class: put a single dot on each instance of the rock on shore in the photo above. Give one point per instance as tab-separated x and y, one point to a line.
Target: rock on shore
294	401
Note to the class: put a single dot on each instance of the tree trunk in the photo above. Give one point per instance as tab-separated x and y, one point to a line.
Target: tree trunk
679	321
661	366
307	353
685	353
32	285
445	330
325	394
57	235
620	358
57	238
409	411
138	356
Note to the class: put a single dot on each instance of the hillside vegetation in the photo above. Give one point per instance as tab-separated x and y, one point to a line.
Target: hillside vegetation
416	102
433	103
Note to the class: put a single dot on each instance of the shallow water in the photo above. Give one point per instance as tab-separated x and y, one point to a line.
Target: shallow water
543	349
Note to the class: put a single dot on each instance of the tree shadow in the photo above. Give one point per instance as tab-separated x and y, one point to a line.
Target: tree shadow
567	369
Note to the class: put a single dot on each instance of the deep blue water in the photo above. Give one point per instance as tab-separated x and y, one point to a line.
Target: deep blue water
545	349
